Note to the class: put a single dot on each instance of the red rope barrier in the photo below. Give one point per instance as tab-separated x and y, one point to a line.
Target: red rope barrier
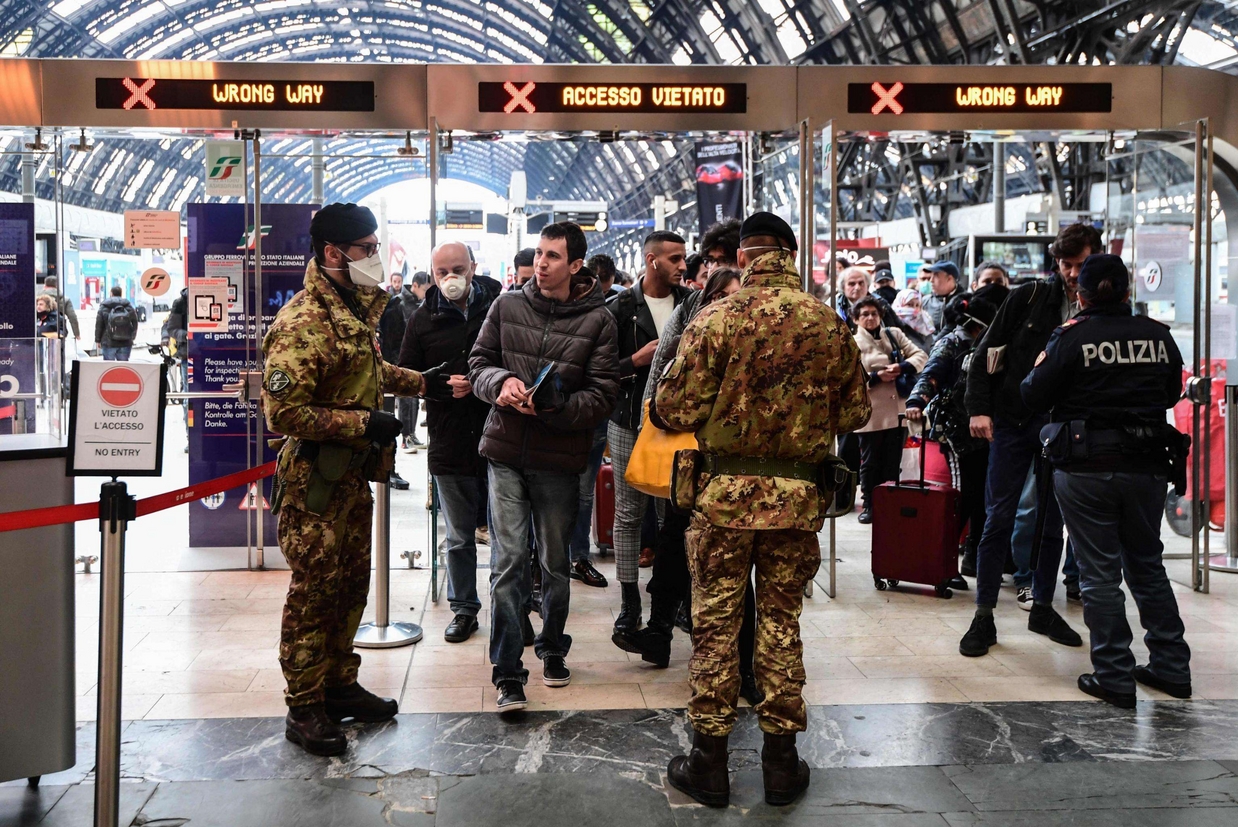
57	514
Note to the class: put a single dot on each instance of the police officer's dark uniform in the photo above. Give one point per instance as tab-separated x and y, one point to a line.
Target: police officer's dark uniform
1108	378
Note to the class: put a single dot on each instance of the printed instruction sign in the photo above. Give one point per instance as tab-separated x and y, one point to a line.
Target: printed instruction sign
224	175
153	229
116	419
232	269
208	305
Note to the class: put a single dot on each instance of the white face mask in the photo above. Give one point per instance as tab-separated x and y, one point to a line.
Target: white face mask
453	287
366	272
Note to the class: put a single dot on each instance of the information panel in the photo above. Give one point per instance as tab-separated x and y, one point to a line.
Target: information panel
529	97
897	98
116	419
138	94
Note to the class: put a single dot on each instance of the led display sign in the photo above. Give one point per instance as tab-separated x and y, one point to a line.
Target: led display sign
529	97
139	94
897	98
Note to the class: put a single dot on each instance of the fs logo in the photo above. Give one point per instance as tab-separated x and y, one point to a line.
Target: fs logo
224	166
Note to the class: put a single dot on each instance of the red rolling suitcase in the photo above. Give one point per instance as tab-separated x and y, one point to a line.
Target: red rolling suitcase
916	533
604	508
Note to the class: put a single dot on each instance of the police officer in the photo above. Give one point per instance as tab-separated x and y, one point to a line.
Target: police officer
1108	378
323	389
765	378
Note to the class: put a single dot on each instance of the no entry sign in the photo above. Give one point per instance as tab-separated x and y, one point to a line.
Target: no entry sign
116	419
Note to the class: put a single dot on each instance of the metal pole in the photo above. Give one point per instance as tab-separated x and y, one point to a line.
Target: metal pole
382	633
807	234
1196	354
432	160
999	187
259	554
831	173
318	169
116	508
1205	207
1231	479
249	356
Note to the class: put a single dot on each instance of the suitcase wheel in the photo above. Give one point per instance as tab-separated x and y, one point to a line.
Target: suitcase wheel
943	591
879	583
893	583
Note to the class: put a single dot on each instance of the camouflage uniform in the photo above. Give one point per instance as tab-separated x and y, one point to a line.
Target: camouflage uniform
767	372
324	374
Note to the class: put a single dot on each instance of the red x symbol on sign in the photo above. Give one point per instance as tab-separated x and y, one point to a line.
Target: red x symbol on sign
520	97
887	98
138	93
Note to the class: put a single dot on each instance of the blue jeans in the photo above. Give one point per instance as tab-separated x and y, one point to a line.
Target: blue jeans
116	354
458	496
1010	456
588	482
1115	521
1025	531
551	498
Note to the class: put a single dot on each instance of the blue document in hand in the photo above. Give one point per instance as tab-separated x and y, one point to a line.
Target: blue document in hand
541	377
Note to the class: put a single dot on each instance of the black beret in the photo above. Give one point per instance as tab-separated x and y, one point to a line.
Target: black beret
342	223
766	223
1101	267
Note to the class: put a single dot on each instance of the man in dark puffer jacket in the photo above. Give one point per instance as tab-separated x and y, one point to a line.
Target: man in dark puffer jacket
538	441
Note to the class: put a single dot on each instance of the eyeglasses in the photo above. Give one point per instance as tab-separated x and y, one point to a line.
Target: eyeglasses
368	249
715	261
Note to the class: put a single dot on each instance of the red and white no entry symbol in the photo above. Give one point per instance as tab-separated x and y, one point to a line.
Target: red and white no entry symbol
120	387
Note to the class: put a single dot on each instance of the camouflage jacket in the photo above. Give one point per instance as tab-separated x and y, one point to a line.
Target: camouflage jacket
324	372
767	372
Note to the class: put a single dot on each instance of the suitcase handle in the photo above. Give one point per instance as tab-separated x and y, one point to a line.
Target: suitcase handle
904	422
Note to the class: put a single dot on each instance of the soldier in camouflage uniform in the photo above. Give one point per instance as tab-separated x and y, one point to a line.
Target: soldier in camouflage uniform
323	388
768	373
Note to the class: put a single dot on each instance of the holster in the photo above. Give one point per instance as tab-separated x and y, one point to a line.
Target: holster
1065	443
330	461
836	483
685	468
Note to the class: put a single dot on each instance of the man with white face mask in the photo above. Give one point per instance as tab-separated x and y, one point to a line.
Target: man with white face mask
322	388
442	331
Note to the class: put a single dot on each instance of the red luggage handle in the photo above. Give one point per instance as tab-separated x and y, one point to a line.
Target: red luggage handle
923	448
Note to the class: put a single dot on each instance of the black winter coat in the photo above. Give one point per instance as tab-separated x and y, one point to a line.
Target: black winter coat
438	332
523	332
1023	325
945	380
636	329
391	327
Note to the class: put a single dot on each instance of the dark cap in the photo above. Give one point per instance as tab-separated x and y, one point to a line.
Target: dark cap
766	223
882	275
945	267
342	223
1104	267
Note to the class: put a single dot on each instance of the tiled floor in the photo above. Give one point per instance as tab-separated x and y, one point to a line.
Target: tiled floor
202	644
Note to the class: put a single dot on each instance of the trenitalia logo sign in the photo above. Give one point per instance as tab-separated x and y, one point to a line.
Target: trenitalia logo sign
526	97
224	176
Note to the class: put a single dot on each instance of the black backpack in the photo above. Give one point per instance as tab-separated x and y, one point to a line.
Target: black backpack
122	323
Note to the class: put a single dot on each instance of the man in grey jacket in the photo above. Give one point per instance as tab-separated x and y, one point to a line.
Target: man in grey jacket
546	360
63	305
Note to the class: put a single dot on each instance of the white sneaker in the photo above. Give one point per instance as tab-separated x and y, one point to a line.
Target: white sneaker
1024	598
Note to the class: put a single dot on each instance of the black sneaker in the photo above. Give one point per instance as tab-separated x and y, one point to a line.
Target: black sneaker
1147	677
511	697
1045	621
1073	593
866	516
981	635
555	671
460	629
398	482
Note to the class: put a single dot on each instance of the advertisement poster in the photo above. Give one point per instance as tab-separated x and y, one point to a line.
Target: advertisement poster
17	325
221	233
719	182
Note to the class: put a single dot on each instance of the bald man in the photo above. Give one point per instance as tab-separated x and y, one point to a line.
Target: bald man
442	330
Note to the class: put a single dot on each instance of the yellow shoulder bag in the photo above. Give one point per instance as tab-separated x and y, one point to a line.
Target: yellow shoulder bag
649	468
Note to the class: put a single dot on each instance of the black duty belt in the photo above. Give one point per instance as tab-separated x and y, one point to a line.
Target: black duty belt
760	467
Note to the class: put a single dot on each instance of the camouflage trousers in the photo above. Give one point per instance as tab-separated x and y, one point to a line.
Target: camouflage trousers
329	555
720	560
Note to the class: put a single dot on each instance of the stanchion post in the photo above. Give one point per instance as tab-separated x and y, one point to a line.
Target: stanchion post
116	509
382	633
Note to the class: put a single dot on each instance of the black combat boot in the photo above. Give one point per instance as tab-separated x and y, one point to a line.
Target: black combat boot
310	728
653	643
361	705
702	773
785	773
629	615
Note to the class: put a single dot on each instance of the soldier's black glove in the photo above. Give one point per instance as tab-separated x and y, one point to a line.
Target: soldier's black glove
436	383
382	427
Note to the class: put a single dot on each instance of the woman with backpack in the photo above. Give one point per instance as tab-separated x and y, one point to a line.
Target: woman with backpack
940	390
116	326
892	361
